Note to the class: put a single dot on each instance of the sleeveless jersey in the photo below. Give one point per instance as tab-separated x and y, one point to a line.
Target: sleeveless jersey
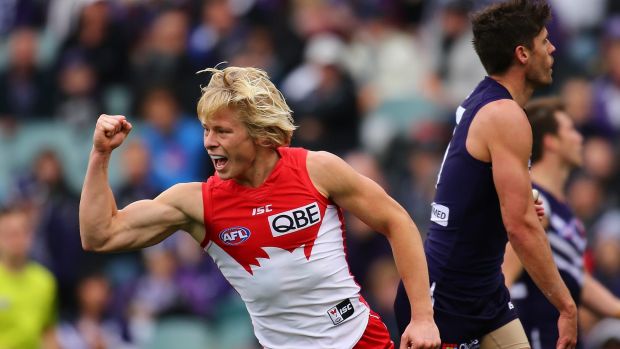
281	246
567	239
466	240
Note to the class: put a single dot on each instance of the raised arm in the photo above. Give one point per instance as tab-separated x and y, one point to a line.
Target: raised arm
368	201
105	228
503	127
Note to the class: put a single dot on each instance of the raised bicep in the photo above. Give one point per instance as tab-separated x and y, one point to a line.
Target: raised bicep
147	222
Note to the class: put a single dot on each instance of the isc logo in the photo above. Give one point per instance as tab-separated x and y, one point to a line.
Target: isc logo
234	235
294	220
341	311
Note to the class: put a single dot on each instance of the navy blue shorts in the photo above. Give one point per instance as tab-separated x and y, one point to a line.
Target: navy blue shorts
461	321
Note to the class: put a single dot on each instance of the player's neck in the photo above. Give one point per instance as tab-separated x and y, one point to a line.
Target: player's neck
516	85
13	265
551	174
263	165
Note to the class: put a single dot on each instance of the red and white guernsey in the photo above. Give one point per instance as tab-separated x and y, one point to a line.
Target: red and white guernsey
281	246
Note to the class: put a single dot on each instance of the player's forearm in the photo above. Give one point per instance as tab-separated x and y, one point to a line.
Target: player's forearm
598	299
411	263
531	245
97	204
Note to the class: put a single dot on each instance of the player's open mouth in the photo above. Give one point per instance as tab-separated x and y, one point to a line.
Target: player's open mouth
219	161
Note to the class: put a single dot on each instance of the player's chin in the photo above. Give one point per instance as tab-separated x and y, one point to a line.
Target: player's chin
545	81
223	174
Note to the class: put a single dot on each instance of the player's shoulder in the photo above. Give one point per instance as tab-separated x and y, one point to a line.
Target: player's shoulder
323	160
327	171
501	108
502	114
180	193
186	188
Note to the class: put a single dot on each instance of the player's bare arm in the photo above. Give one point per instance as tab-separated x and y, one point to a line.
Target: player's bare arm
103	227
502	134
594	296
359	195
598	299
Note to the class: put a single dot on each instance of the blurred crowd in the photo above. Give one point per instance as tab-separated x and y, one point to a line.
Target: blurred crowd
375	81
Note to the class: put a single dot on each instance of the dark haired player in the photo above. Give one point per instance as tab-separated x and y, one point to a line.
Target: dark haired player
484	195
556	150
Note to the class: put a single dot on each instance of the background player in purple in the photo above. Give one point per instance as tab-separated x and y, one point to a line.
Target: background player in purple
484	196
556	150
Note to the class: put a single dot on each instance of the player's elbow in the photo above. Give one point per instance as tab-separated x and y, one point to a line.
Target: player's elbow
520	231
90	245
93	241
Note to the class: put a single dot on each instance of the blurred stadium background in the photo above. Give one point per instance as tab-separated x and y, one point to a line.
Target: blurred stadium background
375	81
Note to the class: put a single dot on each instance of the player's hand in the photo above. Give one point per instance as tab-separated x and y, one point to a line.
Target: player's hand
110	132
421	334
538	205
567	328
540	210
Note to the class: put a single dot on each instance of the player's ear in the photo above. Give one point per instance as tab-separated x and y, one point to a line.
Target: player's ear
550	142
522	54
263	142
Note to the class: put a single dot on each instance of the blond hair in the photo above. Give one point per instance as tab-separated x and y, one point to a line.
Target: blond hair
259	104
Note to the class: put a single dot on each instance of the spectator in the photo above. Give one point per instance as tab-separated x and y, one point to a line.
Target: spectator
78	97
155	294
456	70
90	329
201	284
24	87
100	41
173	140
57	242
14	14
27	289
322	94
607	251
364	245
382	283
162	60
607	87
219	35
586	197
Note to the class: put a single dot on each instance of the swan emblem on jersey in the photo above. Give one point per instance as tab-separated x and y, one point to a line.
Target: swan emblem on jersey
234	235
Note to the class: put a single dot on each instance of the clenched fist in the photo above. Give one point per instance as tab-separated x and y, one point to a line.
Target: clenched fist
110	132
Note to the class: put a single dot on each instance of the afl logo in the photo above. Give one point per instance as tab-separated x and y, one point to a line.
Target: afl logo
235	235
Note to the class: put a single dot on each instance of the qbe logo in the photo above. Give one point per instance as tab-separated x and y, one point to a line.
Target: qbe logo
341	311
235	235
294	220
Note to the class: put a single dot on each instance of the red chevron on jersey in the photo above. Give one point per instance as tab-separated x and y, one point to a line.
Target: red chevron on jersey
286	230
